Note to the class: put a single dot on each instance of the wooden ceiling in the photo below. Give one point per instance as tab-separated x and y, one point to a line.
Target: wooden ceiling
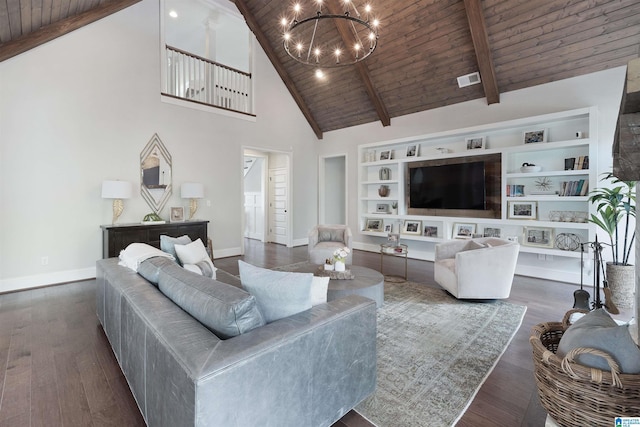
423	46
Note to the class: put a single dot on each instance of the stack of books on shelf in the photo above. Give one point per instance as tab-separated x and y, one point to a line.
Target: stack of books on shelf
515	190
576	163
574	188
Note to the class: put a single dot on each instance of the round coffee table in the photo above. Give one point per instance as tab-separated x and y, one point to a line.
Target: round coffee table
367	283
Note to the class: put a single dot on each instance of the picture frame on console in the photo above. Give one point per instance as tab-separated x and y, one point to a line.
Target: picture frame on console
177	214
412	227
373	225
463	230
522	210
534	136
475	142
541	237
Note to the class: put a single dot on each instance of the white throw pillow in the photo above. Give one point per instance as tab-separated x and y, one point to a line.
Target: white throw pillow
319	286
193	254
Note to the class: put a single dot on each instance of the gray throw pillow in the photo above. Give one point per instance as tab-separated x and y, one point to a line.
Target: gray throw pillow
167	244
224	309
324	236
279	294
598	330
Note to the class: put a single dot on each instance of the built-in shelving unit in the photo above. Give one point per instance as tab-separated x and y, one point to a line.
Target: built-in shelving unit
537	210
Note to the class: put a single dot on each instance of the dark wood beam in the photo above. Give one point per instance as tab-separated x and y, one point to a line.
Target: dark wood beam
60	28
271	54
361	67
626	140
480	39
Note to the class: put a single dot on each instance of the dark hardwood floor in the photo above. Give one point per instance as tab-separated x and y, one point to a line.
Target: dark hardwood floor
57	368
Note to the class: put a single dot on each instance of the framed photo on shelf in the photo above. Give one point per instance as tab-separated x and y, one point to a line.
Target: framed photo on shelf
523	210
412	227
541	237
373	225
534	136
385	155
430	231
492	232
387	228
475	142
177	214
382	208
412	150
463	230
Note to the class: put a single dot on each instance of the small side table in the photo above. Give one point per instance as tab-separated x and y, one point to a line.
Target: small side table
395	251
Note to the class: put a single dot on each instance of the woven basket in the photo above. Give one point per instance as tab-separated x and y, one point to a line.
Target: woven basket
576	395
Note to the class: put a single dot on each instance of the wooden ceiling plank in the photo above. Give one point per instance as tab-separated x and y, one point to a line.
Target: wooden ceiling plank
57	29
275	61
592	38
25	16
483	51
45	17
361	68
15	23
36	14
557	23
5	27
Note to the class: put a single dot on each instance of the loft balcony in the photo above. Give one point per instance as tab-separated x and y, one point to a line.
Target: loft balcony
196	79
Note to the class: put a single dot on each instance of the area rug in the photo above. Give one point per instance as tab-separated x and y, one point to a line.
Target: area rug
434	353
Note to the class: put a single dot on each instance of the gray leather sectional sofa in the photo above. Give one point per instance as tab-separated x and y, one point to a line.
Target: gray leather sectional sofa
308	369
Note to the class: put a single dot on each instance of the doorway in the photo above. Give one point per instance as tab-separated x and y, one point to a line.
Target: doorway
266	187
332	194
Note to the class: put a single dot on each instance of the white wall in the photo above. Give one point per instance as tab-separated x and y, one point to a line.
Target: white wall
602	89
78	110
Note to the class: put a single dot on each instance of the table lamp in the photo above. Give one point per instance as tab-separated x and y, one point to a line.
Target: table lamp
193	191
116	190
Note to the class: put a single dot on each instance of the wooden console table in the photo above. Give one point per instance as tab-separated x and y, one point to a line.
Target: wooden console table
119	236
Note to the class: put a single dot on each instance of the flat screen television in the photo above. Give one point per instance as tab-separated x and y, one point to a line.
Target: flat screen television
448	186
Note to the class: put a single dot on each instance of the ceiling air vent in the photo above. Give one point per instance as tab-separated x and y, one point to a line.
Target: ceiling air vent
469	79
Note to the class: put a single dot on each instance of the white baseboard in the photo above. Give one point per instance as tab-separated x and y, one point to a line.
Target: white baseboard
224	253
27	282
301	242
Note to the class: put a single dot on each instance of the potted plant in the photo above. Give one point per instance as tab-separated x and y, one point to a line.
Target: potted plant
394	208
615	205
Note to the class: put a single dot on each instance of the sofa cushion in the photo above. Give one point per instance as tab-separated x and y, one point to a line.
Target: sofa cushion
167	243
279	294
598	330
224	309
150	268
194	257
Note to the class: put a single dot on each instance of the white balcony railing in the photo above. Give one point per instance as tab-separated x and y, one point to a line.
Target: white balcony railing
197	79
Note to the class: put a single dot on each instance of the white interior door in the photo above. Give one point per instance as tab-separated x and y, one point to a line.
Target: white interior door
278	205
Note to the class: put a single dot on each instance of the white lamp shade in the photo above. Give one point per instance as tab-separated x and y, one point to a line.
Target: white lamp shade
116	190
192	190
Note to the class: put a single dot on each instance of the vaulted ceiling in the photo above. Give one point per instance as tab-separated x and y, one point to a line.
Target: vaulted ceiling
423	46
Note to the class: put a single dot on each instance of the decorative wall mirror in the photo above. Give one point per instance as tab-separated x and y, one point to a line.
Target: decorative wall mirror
155	174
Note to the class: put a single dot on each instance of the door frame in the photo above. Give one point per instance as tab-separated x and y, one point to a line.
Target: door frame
322	188
266	152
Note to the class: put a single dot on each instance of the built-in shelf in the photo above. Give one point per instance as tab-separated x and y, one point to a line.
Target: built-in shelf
505	139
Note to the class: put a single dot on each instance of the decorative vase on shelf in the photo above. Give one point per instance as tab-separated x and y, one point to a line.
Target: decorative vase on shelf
339	266
383	191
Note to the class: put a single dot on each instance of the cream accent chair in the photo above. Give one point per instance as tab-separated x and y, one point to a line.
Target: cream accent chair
476	269
325	239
